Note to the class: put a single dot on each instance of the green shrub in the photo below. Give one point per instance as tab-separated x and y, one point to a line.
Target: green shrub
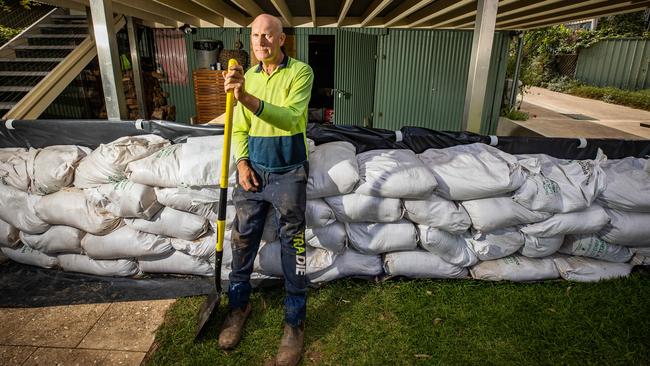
635	99
515	115
7	33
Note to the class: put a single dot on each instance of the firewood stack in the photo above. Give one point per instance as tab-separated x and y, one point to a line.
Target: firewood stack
155	97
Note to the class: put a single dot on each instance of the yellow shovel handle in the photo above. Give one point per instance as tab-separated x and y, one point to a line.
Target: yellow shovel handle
225	164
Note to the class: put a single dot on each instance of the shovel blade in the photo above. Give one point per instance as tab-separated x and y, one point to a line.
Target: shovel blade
206	311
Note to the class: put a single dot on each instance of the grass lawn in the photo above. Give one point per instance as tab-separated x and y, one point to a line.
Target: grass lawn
458	322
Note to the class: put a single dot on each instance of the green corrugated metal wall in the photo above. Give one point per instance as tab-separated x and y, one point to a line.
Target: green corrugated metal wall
422	78
420	82
355	80
622	63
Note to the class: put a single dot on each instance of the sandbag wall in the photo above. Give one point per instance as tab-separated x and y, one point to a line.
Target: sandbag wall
136	205
140	204
474	209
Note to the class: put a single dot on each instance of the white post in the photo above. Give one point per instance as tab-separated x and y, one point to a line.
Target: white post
135	64
479	65
109	60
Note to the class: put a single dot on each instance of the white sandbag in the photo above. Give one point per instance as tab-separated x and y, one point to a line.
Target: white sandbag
172	223
160	169
203	247
53	167
84	264
356	207
594	247
537	247
449	247
627	187
489	214
108	162
497	244
333	170
199	201
27	255
125	242
557	185
467	172
70	207
587	221
177	262
627	228
268	260
318	213
394	174
8	152
14	172
377	238
421	264
516	268
581	269
58	239
9	235
438	212
331	237
125	199
200	163
349	263
17	208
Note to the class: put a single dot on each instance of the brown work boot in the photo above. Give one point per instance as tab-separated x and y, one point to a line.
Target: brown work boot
290	350
233	327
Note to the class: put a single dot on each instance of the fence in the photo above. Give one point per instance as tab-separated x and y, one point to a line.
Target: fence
622	63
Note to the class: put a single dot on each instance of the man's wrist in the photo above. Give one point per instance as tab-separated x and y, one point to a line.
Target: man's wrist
250	102
242	162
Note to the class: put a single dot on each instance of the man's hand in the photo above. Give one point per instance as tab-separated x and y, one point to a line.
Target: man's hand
247	176
234	80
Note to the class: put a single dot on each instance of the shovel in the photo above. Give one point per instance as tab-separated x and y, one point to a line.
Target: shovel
215	296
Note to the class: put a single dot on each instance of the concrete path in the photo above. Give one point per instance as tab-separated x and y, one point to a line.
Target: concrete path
117	333
544	105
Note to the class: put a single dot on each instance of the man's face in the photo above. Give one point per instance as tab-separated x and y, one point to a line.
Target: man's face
266	40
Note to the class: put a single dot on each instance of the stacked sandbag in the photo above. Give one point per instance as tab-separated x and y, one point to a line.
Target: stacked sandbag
582	269
141	201
108	162
333	170
421	264
467	172
83	227
557	185
627	187
516	268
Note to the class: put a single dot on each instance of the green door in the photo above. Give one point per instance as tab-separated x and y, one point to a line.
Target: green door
354	78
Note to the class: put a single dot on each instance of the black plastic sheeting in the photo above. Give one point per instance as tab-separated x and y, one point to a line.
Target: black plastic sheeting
91	133
24	286
27	286
419	139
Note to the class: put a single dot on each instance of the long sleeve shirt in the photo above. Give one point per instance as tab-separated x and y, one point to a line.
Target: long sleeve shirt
274	137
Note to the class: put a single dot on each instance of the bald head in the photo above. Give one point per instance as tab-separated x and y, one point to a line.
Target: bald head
268	21
267	39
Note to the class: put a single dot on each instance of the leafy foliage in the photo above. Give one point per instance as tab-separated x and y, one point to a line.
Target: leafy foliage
541	46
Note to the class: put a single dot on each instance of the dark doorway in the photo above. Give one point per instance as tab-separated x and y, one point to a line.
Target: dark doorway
321	60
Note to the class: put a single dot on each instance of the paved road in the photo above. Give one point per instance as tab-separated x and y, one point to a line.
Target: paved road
551	108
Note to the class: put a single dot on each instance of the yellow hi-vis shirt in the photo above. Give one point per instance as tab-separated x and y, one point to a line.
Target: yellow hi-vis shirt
274	137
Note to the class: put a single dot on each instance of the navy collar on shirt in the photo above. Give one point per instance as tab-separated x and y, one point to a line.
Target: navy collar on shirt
284	63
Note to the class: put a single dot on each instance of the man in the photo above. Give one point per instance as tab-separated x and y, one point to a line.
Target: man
269	145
